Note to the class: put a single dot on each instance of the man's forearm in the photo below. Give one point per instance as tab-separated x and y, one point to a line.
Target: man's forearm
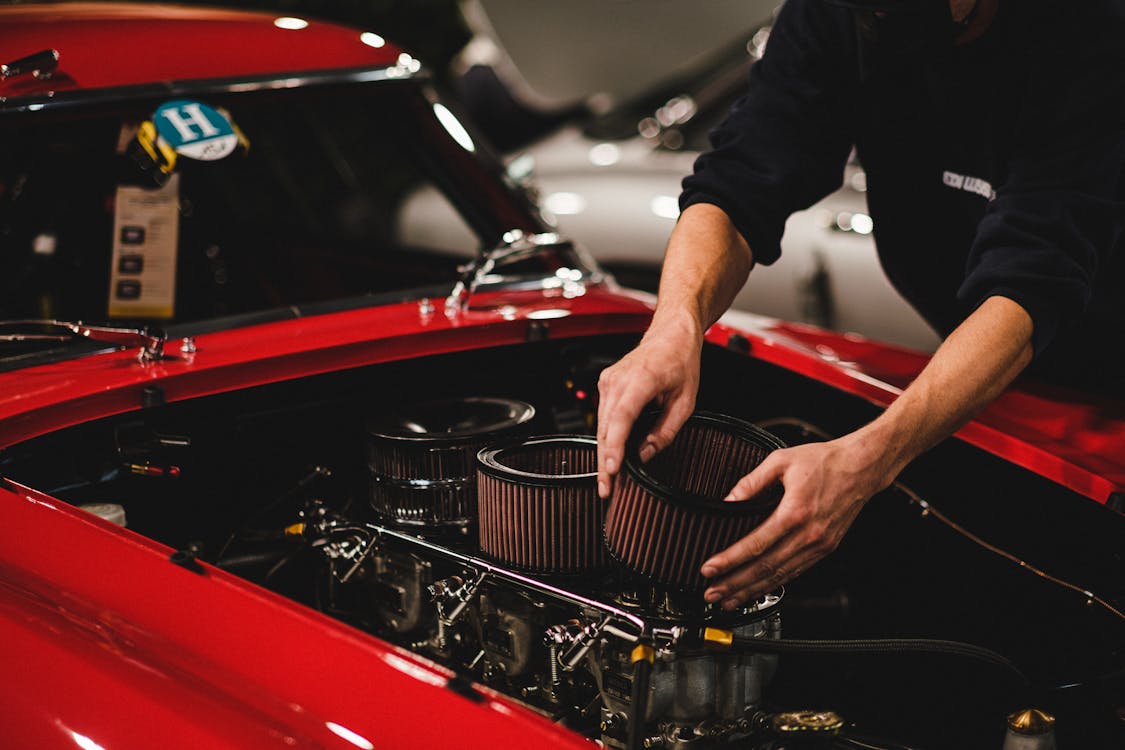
827	483
970	369
705	265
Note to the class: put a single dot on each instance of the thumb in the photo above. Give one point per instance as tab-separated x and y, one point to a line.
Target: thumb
759	479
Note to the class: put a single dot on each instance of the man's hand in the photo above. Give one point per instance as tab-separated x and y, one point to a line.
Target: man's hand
826	485
664	367
705	264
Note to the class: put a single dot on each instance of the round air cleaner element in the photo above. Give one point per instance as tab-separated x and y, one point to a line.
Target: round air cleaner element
539	504
668	516
423	458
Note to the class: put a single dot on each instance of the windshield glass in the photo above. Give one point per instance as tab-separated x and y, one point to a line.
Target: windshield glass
174	210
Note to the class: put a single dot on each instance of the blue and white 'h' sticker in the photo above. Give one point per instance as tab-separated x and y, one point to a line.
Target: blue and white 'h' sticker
195	130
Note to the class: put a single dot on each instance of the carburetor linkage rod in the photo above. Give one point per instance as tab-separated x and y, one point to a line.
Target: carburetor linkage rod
619	623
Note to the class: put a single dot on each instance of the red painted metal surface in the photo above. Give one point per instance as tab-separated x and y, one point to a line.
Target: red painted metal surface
212	661
1075	441
1068	437
140	44
41	399
109	645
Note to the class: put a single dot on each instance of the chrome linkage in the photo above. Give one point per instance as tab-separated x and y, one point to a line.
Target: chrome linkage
151	341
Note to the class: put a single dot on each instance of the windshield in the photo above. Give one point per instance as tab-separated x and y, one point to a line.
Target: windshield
293	200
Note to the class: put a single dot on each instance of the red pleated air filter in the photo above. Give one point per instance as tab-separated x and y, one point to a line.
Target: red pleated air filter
539	506
423	458
668	516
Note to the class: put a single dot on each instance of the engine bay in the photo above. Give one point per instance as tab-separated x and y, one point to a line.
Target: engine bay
446	505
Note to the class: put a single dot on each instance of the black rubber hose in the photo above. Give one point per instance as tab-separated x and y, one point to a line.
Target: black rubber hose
253	558
879	646
638	703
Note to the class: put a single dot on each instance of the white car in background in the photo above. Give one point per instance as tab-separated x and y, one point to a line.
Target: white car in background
651	79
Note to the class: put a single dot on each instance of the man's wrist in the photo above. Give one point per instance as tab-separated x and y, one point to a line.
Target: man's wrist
879	451
682	325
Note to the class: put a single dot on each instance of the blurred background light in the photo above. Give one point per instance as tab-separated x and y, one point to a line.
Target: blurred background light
605	154
666	206
565	204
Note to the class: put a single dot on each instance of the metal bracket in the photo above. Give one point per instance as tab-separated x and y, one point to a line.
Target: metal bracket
151	341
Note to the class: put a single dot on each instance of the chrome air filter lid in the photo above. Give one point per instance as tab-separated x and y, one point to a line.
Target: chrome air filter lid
422	457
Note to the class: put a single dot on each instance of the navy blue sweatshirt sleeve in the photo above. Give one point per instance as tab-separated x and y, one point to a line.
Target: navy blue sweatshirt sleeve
784	144
1059	213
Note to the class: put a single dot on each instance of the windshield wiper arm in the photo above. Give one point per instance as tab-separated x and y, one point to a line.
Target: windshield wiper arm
150	341
40	64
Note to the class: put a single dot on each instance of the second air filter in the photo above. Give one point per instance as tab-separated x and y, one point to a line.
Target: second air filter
668	516
539	506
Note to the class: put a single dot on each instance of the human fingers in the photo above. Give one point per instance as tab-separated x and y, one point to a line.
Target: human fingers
763	475
779	566
676	411
615	424
607	398
791	540
757	543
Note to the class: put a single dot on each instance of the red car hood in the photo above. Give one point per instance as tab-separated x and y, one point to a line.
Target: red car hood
1070	438
247	669
145	43
250	669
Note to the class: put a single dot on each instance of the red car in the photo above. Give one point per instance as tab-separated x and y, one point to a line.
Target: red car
269	478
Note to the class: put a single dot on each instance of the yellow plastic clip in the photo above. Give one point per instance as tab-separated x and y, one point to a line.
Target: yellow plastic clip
296	529
162	154
718	637
641	651
243	141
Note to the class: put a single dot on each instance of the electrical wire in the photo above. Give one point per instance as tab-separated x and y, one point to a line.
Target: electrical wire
235	562
856	743
317	472
929	511
282	563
